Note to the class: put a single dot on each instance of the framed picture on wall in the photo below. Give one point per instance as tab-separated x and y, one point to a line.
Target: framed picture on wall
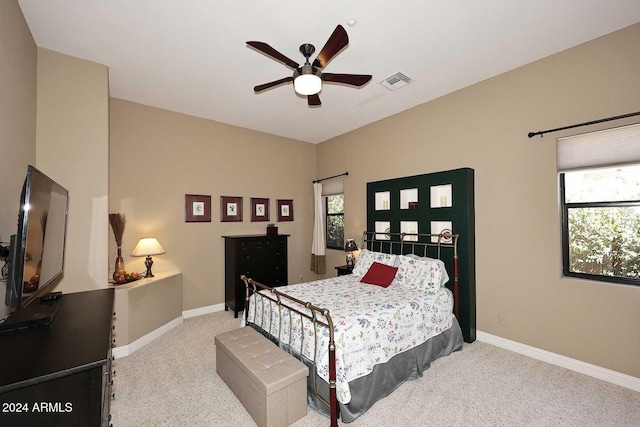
285	210
197	208
230	209
259	209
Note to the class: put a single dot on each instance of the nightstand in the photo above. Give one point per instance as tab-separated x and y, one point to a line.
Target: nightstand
343	270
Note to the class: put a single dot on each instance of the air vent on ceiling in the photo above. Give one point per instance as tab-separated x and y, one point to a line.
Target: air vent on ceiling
395	81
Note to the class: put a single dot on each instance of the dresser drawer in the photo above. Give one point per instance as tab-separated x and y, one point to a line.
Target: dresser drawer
277	242
274	281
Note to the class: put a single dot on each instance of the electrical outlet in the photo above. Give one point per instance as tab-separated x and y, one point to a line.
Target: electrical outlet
502	319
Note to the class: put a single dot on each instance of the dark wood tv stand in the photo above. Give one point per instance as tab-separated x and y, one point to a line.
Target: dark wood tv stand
60	374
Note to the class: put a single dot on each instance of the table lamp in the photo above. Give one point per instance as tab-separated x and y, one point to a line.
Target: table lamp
148	246
349	247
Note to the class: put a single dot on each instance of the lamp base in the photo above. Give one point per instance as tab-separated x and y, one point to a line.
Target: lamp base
350	260
148	262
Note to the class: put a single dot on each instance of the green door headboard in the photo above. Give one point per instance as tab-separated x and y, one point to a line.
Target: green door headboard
428	204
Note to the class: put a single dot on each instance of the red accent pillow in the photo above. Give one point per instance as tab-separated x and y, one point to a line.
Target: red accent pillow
380	274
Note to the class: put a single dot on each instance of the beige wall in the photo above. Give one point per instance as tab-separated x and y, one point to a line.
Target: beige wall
18	67
518	248
158	156
73	149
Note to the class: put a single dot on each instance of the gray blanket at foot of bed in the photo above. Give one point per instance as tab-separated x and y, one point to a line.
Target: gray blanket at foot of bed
386	377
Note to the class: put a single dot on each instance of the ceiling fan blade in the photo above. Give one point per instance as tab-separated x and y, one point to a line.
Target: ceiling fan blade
350	79
268	50
335	44
313	100
262	87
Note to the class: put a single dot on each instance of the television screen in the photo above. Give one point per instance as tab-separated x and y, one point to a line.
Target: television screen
37	252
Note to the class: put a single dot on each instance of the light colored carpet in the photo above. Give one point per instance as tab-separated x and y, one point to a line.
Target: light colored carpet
173	382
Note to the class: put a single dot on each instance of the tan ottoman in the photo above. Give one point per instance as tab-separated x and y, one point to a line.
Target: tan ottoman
270	383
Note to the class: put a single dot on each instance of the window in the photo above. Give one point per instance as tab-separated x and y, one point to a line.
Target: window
335	221
600	205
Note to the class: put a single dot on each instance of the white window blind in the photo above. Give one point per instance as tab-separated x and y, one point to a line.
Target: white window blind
603	148
330	188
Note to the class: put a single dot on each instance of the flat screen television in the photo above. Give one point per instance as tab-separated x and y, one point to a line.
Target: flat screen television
36	251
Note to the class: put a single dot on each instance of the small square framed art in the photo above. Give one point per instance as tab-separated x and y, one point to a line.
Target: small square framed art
230	209
285	210
259	209
197	208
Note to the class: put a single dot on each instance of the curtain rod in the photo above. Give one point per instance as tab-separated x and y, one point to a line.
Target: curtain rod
542	132
331	177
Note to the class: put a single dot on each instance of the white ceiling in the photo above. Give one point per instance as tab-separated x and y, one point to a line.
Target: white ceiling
191	56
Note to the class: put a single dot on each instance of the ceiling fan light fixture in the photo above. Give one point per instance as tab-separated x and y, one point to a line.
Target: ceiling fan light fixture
307	80
307	84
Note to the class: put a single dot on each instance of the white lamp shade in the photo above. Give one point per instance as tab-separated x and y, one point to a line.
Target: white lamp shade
148	246
307	84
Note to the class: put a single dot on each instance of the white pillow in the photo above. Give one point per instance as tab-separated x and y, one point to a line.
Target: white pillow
367	257
414	256
420	272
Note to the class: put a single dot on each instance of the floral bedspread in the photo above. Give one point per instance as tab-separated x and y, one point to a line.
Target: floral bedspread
371	323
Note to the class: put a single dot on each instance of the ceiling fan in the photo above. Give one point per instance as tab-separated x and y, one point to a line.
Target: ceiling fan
307	79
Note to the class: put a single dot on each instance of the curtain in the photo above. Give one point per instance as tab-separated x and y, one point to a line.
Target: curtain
318	259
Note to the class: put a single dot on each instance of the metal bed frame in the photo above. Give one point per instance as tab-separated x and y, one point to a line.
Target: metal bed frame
398	243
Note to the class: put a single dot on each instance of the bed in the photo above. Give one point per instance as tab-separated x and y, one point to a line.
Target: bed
362	340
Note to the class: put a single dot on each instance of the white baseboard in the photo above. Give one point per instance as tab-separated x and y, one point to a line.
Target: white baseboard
128	349
614	377
202	310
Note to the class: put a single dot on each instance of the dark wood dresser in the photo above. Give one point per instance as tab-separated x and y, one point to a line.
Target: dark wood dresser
60	374
260	257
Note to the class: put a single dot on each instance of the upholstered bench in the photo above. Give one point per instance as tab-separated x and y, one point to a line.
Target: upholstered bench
270	383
